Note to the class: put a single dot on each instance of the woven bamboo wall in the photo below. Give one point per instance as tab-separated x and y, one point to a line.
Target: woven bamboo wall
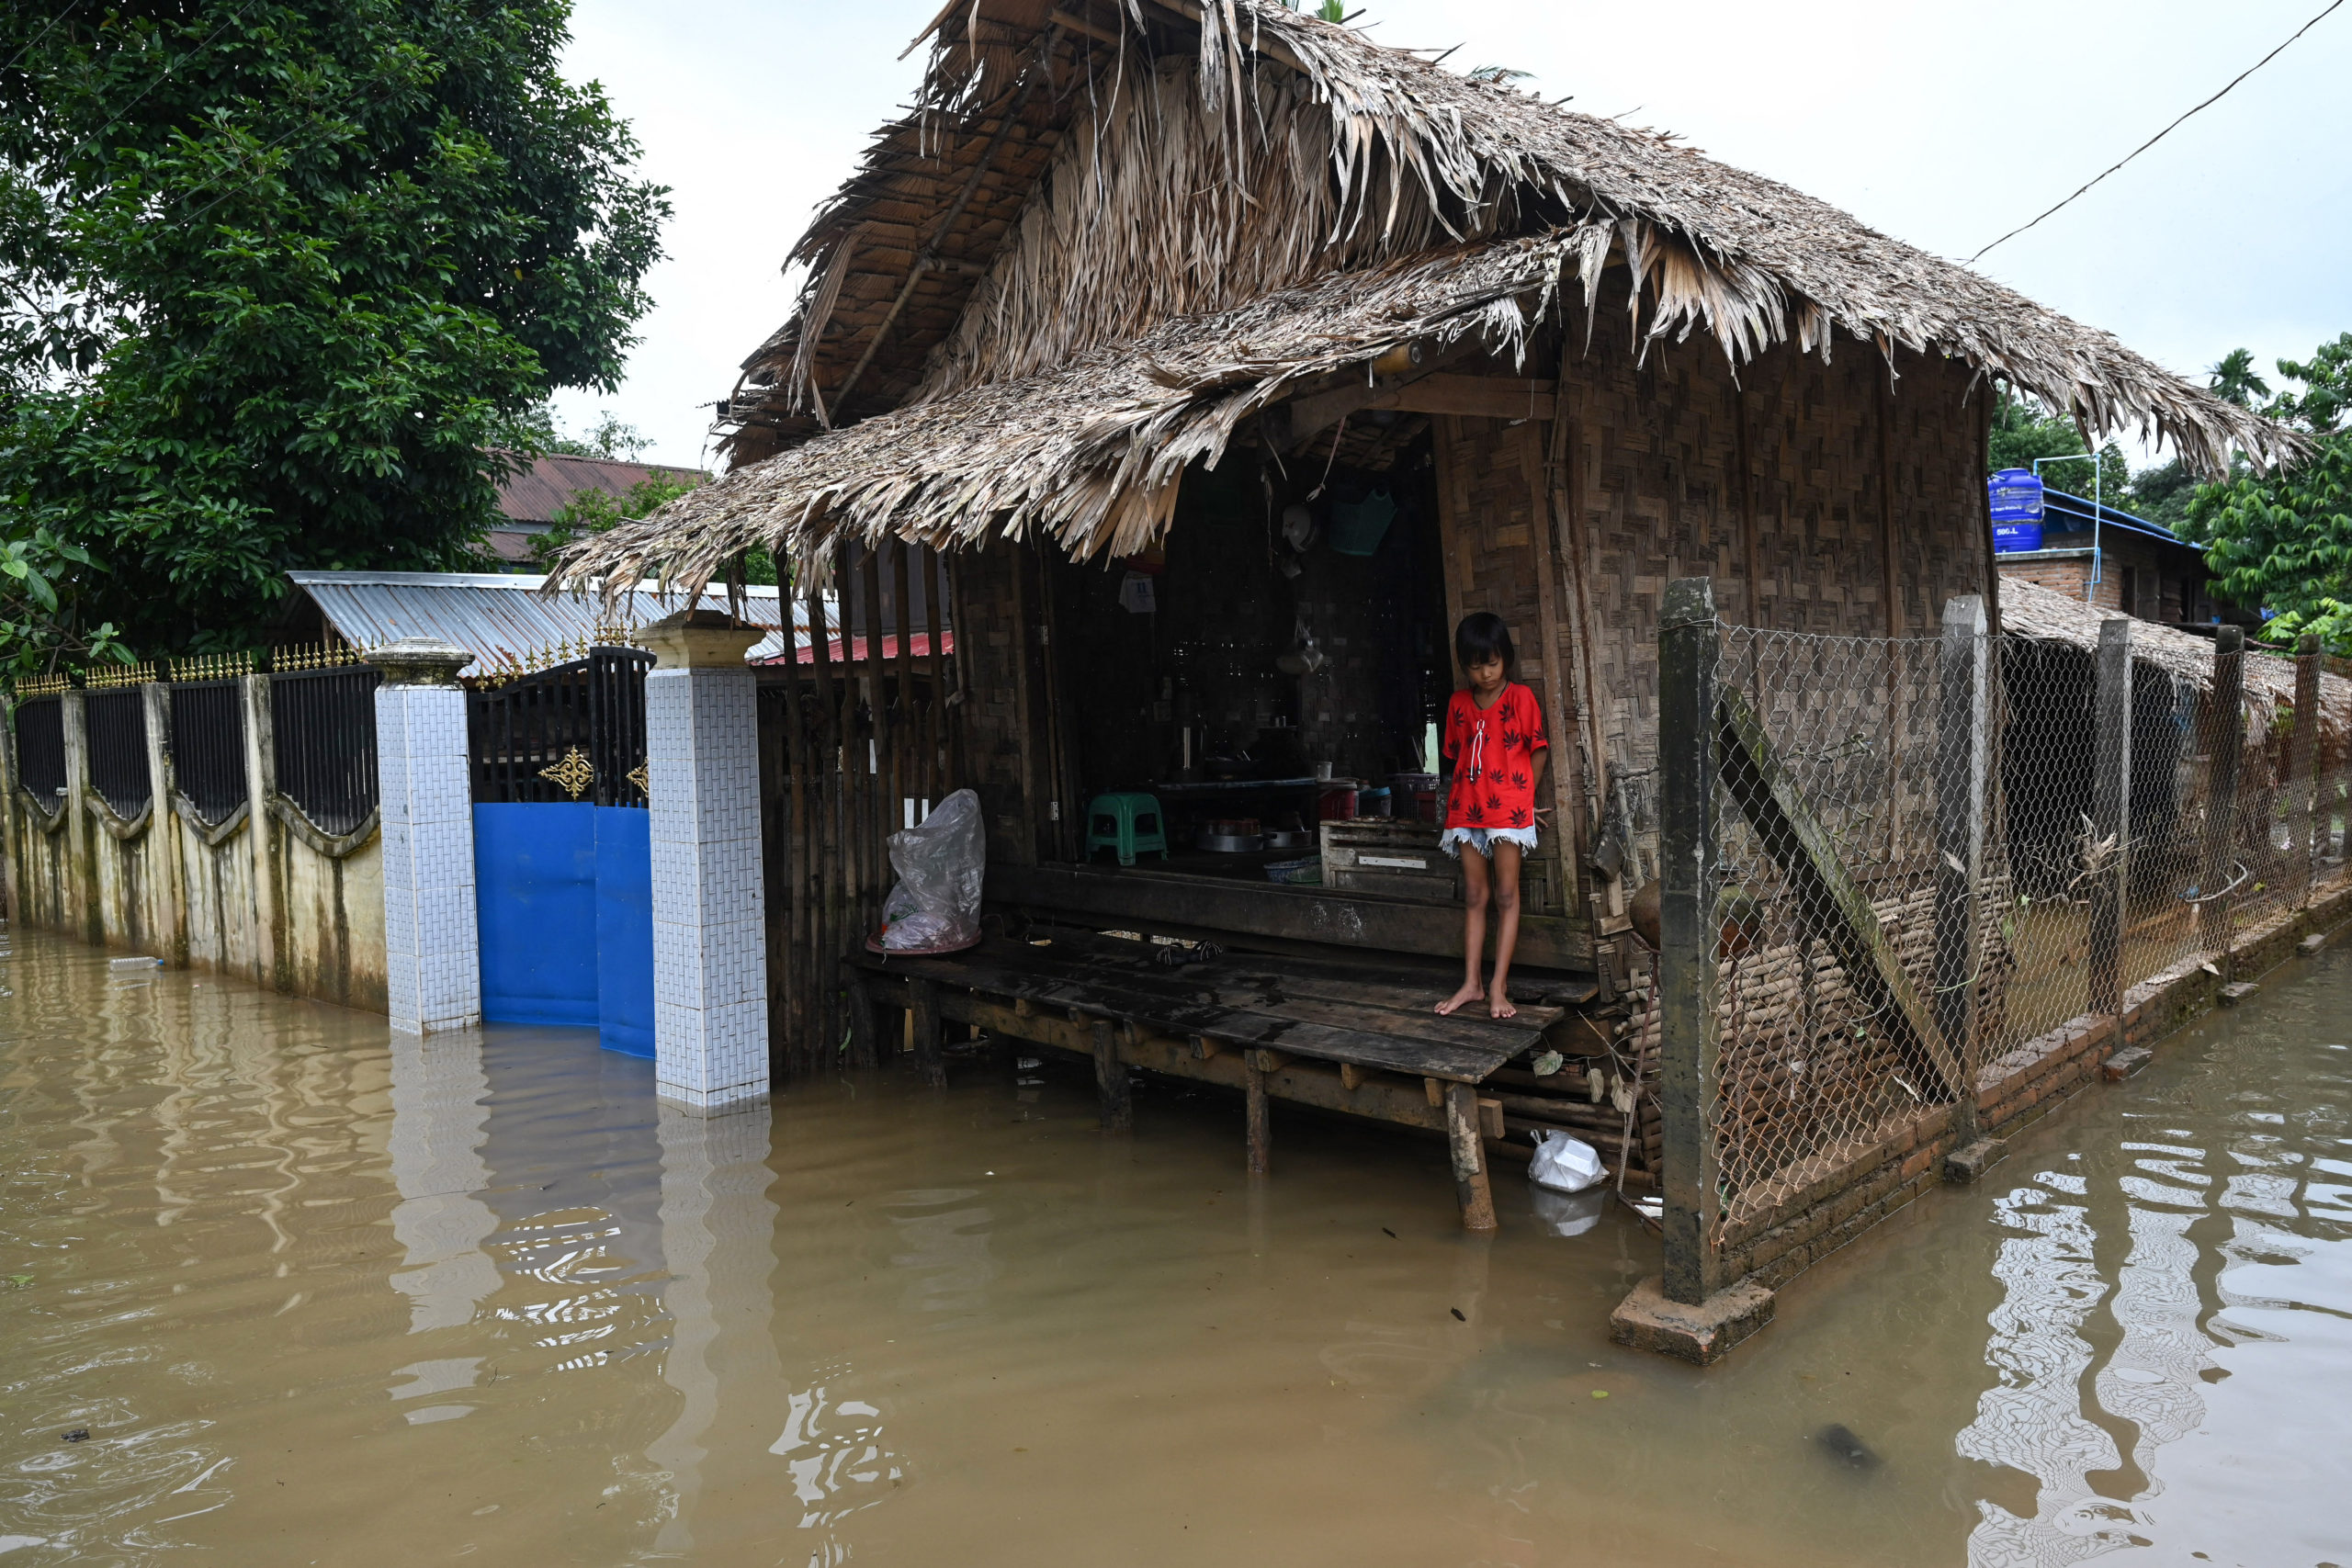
1835	468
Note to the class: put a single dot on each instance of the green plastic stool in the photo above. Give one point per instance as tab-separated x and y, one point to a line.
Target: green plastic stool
1130	824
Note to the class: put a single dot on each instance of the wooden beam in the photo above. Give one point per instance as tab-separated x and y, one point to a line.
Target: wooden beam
1831	906
1489	397
1322	915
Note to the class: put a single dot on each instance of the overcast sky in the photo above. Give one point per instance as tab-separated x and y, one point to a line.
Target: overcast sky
1943	124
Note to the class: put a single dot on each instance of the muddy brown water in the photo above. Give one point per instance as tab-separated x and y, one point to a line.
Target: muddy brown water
316	1294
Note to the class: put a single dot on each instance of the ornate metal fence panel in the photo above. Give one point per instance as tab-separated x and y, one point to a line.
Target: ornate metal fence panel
574	731
208	746
40	749
323	725
114	724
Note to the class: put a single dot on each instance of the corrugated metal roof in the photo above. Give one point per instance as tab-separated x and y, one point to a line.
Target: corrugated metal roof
501	613
547	486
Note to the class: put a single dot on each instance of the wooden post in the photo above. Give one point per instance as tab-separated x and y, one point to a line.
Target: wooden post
1689	646
1469	1156
923	995
864	1047
1961	749
2302	770
2108	856
1111	1078
1257	1117
2228	730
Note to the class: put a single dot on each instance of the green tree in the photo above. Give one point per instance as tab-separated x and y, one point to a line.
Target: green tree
2283	540
2024	429
278	275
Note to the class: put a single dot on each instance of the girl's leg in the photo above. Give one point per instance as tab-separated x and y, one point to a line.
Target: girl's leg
1474	929
1506	902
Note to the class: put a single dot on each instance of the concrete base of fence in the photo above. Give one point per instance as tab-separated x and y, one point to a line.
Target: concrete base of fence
1964	1165
1650	1320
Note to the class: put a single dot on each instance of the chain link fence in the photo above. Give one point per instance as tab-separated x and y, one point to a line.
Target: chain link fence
1895	872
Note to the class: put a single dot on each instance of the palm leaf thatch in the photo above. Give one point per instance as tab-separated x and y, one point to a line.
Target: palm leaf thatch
1108	233
2267	679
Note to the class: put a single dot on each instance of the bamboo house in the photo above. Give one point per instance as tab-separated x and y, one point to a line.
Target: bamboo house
1213	361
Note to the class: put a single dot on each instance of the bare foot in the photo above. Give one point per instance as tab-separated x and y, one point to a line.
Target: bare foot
1468	993
1498	1004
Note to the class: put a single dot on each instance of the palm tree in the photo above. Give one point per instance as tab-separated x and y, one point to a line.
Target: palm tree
2235	380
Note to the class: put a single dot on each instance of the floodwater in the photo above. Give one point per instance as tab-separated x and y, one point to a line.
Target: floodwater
319	1296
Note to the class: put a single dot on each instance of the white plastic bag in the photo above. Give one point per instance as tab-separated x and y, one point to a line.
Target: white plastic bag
935	908
1564	1164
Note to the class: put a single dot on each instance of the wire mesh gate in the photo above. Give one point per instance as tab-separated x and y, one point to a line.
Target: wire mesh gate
1893	870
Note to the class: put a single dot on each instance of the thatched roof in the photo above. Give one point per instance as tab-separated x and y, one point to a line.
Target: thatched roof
2047	615
1223	189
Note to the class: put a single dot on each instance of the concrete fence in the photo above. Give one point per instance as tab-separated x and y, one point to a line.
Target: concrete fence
258	891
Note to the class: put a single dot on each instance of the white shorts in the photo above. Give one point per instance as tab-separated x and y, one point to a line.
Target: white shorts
1482	840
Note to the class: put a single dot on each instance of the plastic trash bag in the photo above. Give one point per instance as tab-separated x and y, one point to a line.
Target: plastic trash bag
935	908
1564	1164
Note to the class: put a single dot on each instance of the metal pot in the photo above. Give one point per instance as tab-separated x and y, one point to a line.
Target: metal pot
1230	843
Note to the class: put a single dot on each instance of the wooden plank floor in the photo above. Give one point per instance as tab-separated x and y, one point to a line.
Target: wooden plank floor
1365	1015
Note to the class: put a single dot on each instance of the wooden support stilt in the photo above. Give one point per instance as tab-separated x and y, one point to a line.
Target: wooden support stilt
924	1013
1259	1117
863	1045
1111	1078
1469	1158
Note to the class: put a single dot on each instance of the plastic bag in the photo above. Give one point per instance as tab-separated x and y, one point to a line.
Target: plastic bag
935	908
1564	1164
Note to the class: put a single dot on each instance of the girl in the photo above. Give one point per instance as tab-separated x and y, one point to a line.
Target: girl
1493	737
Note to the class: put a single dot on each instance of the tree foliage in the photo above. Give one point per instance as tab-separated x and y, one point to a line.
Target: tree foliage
2283	540
2024	429
278	274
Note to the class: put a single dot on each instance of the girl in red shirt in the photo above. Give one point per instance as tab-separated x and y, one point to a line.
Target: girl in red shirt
1493	737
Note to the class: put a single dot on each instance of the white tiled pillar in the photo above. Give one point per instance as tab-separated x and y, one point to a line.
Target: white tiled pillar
432	947
710	1007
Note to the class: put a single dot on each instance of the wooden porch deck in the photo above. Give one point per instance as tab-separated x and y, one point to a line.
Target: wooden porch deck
1357	1038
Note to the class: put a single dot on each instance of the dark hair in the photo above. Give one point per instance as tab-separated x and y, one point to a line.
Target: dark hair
1482	636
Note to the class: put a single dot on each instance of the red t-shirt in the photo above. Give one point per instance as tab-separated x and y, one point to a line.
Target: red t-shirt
1493	751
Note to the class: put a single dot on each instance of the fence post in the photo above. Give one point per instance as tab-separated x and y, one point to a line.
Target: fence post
1961	749
1687	981
82	885
2221	793
2107	856
262	829
11	814
710	998
168	892
432	935
2302	769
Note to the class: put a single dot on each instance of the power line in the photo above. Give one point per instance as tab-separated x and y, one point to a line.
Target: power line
2167	131
42	34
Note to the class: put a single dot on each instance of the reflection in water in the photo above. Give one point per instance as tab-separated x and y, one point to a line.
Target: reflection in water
439	1109
2180	1308
319	1293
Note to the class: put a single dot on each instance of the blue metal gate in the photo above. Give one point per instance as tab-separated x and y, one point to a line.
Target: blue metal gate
563	870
